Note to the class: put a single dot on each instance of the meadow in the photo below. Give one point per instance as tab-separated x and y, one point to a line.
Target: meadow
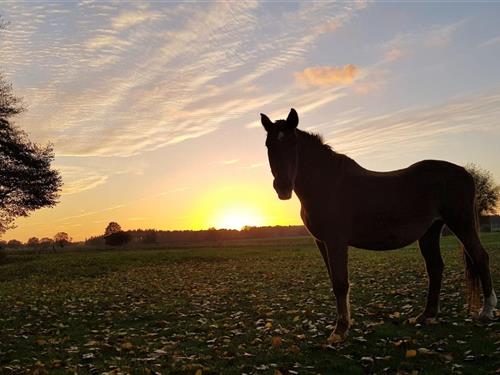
254	307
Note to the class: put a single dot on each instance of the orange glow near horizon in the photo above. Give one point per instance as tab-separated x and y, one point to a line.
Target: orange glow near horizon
236	206
237	217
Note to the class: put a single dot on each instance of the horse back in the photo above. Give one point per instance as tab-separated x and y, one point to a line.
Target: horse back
393	209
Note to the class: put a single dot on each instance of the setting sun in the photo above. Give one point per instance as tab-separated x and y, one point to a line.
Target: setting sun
237	218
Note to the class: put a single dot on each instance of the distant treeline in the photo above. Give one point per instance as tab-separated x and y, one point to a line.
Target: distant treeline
153	236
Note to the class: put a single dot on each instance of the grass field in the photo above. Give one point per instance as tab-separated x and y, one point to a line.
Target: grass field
261	307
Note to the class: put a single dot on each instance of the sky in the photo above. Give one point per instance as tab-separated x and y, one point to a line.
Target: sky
153	108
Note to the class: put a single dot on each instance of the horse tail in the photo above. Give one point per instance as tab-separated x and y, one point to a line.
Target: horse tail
472	280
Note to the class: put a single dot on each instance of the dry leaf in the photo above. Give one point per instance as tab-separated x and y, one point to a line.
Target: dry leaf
410	353
276	341
127	345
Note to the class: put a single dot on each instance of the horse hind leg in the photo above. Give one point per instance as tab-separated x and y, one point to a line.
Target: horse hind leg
477	267
429	247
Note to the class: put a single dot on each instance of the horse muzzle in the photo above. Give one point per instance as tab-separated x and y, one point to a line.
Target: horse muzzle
284	190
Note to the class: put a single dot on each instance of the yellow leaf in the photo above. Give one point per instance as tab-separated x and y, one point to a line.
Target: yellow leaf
269	325
198	372
410	353
127	345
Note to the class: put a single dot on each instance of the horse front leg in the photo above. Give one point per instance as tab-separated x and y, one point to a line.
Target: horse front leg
337	264
322	249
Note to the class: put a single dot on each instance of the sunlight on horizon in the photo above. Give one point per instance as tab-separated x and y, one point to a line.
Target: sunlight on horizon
238	217
236	206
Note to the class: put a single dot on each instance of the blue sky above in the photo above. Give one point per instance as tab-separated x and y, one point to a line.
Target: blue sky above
145	100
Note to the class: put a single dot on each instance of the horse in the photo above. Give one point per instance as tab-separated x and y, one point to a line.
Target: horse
344	204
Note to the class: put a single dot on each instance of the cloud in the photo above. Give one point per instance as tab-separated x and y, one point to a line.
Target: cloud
328	26
328	75
393	54
491	42
372	80
155	75
229	162
102	41
78	179
393	133
131	18
409	43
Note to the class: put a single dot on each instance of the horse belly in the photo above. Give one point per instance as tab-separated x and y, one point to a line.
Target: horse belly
388	235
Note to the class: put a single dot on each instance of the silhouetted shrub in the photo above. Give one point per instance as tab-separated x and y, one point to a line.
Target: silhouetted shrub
118	238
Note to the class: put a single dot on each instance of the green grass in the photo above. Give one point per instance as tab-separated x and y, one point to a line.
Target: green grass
218	308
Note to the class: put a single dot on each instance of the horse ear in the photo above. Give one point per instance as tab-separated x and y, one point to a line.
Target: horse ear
293	119
266	122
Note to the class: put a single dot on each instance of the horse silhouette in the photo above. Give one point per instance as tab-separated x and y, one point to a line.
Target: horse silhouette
344	204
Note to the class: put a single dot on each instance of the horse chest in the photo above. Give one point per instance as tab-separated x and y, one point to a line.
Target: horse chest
318	222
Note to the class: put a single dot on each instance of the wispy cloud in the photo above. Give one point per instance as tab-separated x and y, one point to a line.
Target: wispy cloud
408	43
154	75
128	19
78	179
491	42
328	75
393	133
395	53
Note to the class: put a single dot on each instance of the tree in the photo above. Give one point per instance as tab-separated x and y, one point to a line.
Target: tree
46	243
27	181
112	227
62	239
33	242
14	244
487	192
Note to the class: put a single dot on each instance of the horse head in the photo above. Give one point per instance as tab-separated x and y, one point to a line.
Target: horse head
281	143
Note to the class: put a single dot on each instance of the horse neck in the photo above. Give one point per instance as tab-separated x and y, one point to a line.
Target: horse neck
318	167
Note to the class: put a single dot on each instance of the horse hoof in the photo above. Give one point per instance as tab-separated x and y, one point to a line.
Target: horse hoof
426	319
336	338
486	314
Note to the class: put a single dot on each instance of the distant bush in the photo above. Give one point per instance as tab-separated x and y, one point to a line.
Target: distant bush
3	255
118	238
14	244
62	239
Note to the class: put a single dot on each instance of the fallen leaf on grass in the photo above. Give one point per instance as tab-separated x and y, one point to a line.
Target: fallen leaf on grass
276	341
410	353
127	345
425	351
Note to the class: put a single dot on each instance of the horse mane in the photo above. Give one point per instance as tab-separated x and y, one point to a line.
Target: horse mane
315	141
315	144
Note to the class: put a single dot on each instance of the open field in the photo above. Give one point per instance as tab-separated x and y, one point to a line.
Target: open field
259	307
